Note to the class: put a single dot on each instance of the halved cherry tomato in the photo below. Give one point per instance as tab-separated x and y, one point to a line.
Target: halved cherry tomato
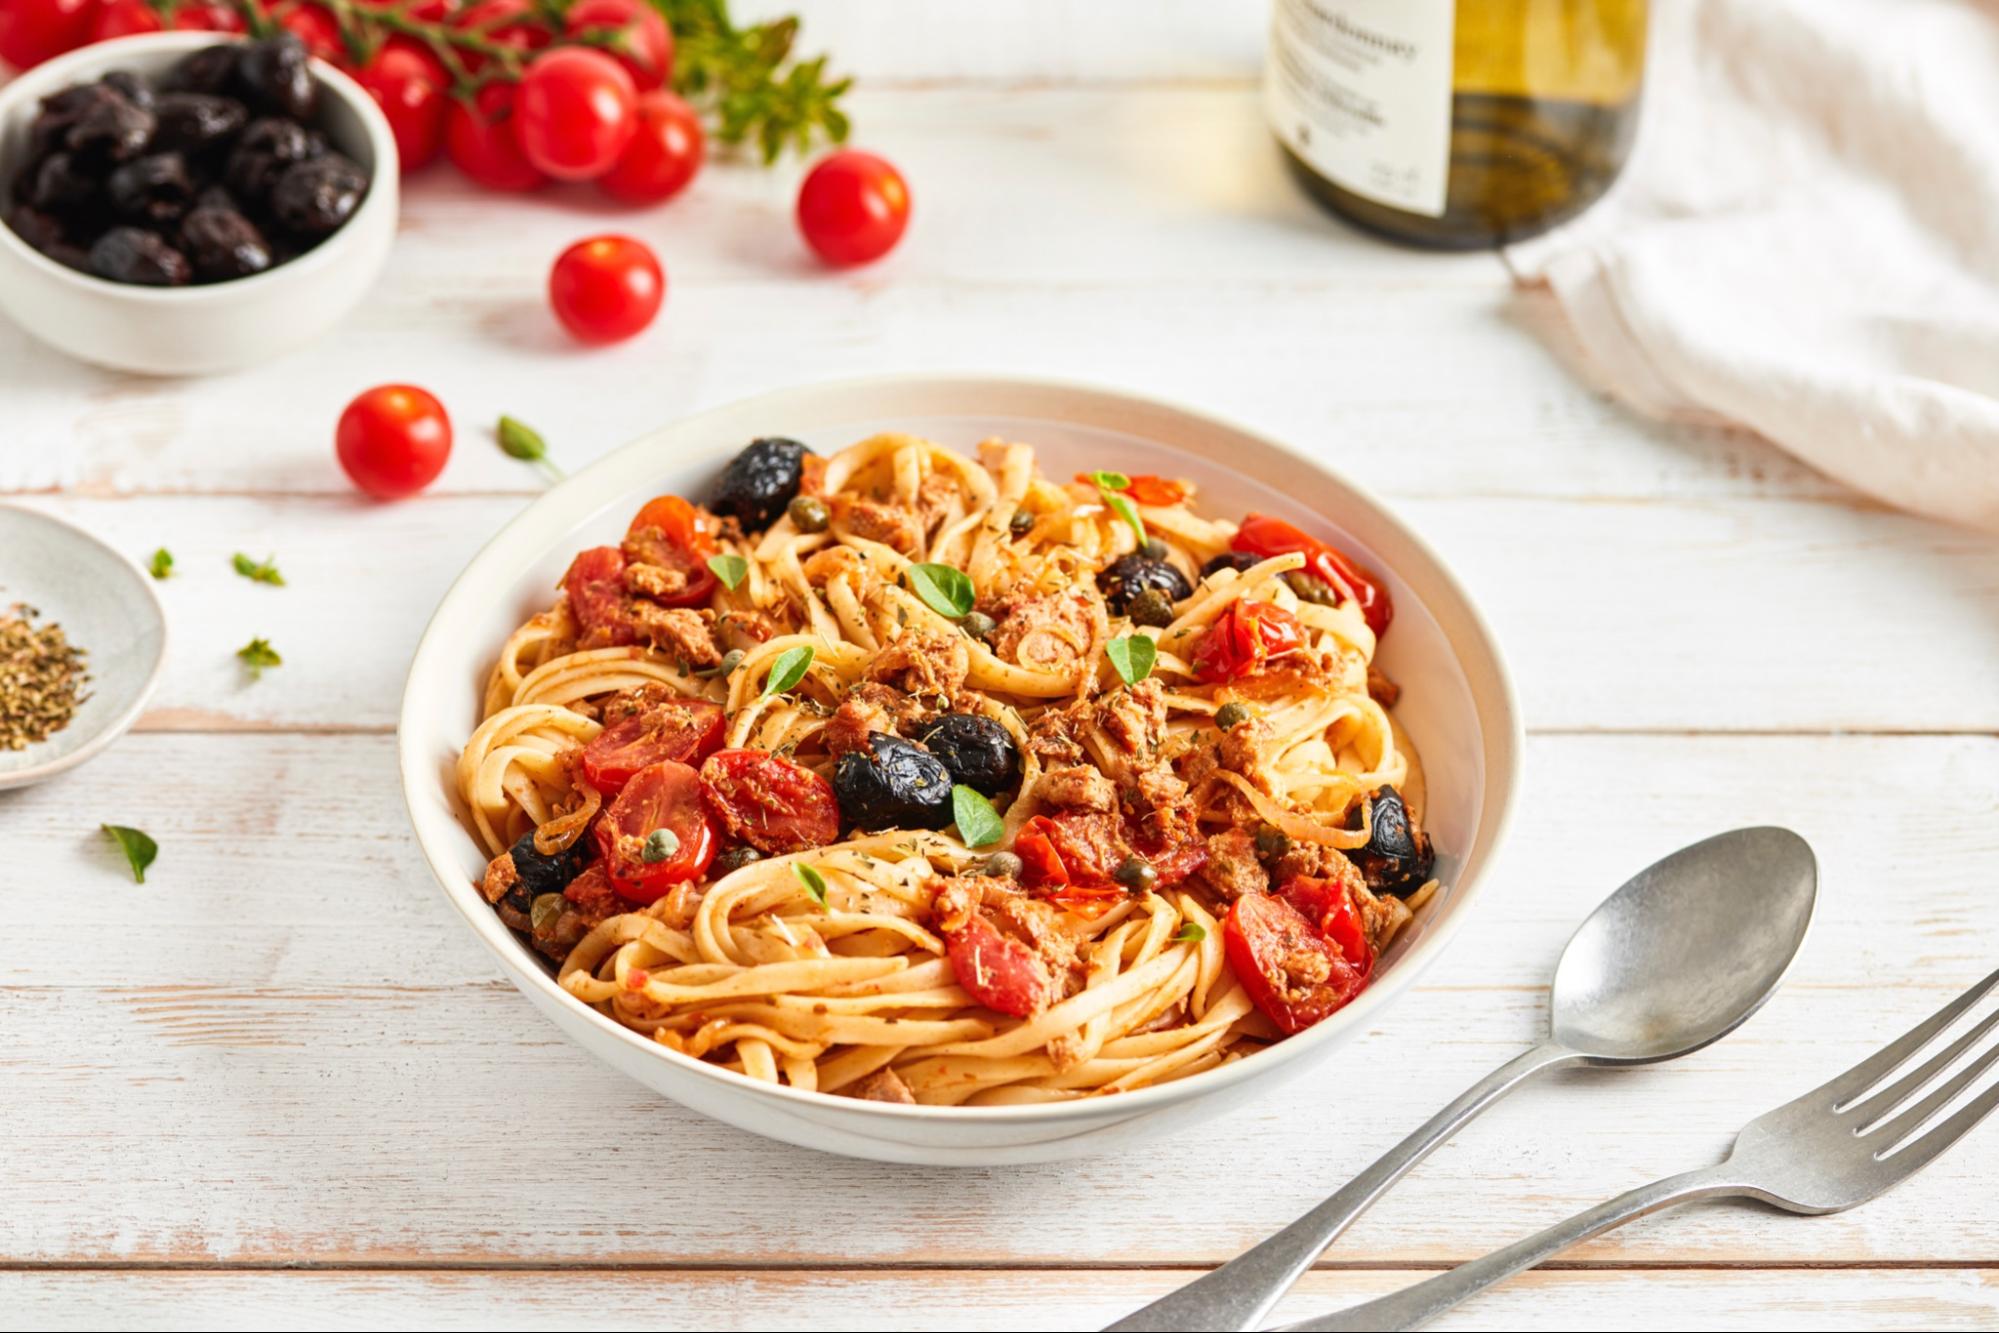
995	969
1263	537
1147	489
673	534
769	802
1243	639
1329	906
595	583
1072	851
1293	974
644	726
665	796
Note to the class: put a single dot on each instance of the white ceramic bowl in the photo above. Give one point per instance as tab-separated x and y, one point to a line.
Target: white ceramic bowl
219	326
1456	704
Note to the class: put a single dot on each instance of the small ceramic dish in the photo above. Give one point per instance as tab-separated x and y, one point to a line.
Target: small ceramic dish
107	606
215	326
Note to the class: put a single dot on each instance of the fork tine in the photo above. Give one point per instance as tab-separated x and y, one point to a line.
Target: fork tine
1863	1076
1894	1131
1878	1107
1924	1149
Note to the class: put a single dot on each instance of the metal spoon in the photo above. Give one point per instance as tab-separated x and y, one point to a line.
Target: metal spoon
1678	958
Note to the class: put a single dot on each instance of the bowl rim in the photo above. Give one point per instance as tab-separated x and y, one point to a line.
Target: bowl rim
120	722
80	65
419	776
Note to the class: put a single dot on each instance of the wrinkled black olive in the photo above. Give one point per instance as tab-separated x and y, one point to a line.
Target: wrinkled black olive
209	70
1129	575
62	185
895	784
132	254
760	481
126	84
215	196
196	122
46	233
273	77
221	243
268	148
154	189
536	874
977	750
1236	560
110	129
1398	858
315	198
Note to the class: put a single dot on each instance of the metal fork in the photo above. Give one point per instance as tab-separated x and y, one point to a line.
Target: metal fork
1837	1146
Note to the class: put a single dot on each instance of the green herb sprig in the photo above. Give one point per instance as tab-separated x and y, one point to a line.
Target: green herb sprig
1132	656
257	571
945	590
788	670
1191	933
748	80
978	823
731	569
140	850
161	566
258	654
814	882
1112	485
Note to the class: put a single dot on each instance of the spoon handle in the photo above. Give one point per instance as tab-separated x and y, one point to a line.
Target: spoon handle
1241	1291
1416	1305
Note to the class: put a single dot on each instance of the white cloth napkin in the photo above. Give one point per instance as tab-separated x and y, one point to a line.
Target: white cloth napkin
1806	241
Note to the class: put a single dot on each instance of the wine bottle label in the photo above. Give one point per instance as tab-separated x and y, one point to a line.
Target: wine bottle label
1361	90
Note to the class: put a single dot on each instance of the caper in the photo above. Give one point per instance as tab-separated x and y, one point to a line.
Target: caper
1136	873
1272	841
808	513
979	625
1152	549
1231	715
661	844
1002	865
1021	523
735	859
1311	588
1150	607
546	909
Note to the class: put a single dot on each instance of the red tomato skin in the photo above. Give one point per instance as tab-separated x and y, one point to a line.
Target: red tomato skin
684	730
408	82
606	289
210	16
666	152
1329	907
1260	932
595	582
1147	489
1263	537
481	140
32	31
509	23
1243	639
663	795
853	208
317	28
769	802
671	533
578	110
393	440
995	969
644	44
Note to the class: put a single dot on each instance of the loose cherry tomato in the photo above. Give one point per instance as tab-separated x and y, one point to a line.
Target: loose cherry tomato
769	802
595	582
577	110
606	289
644	726
32	31
511	23
317	28
663	796
996	970
853	207
1292	973
673	534
665	152
640	39
1328	905
480	136
393	440
1263	537
408	82
1243	639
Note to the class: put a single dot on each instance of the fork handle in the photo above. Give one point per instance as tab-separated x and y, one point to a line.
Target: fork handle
1242	1290
1417	1305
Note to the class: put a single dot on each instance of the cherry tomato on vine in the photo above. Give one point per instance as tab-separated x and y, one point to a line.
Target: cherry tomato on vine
408	82
393	440
666	151
124	18
481	140
317	28
641	41
606	288
577	110
32	31
853	207
509	23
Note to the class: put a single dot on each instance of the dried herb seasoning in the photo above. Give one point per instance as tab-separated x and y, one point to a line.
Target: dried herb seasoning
42	677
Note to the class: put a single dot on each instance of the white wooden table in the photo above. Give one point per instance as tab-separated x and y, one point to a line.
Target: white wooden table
280	1082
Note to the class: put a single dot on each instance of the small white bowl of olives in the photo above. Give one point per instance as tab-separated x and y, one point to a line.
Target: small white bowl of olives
181	203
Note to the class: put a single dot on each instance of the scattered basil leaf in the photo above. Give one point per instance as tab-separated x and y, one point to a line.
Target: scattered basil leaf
978	823
814	882
140	850
789	669
1111	481
1126	510
661	845
162	563
731	569
945	590
258	654
1191	933
522	441
1133	656
265	571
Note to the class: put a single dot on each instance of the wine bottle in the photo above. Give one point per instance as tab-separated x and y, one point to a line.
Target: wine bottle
1456	123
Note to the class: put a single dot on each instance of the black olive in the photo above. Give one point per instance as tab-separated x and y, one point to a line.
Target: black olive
266	150
1021	523
110	129
127	85
215	196
760	481
196	122
1129	575
46	234
895	784
535	874
1398	858
209	70
154	190
977	750
131	254
221	243
274	78
315	198
1236	560
62	185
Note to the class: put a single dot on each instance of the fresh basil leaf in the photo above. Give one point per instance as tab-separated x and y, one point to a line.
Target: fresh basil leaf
162	563
945	590
140	850
1133	656
1111	481
1191	933
789	669
814	882
731	569
258	654
978	823
1126	510
257	572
